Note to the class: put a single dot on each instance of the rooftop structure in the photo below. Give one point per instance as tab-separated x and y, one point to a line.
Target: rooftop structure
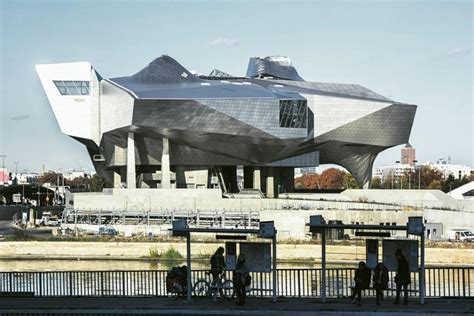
408	155
166	127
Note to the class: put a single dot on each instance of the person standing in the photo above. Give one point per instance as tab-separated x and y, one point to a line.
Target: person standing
380	281
402	279
217	268
241	279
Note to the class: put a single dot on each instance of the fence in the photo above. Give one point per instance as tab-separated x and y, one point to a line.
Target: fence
300	283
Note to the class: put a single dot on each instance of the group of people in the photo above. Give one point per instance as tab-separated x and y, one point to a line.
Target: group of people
363	276
241	276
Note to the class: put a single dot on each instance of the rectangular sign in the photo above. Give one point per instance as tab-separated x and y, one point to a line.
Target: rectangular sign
257	256
16	198
230	255
372	253
415	225
266	229
409	248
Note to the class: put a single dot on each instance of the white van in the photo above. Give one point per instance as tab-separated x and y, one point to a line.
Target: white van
460	235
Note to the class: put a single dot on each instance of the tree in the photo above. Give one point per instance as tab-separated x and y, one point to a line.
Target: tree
308	181
431	178
376	183
332	178
97	183
350	182
48	177
452	183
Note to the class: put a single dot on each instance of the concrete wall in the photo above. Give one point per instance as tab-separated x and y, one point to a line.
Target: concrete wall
134	250
291	215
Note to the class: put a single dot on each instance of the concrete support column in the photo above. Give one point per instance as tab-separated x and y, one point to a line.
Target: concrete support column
270	183
165	165
248	177
131	174
117	180
256	178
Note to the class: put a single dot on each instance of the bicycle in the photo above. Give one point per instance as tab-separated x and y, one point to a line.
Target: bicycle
204	286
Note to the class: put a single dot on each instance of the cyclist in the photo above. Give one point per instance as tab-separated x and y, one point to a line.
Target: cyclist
217	267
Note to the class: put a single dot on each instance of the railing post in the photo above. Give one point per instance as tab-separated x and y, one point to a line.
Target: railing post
70	283
463	282
123	283
41	284
299	284
101	283
10	278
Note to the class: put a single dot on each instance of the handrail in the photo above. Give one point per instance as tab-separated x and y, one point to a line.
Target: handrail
440	281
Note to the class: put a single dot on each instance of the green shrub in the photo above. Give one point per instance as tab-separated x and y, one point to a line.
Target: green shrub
170	254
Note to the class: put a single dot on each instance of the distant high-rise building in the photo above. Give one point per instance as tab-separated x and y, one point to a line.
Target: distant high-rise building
408	155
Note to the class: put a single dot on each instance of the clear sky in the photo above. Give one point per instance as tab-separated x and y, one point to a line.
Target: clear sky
417	52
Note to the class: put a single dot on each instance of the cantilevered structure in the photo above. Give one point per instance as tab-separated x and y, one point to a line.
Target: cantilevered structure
167	127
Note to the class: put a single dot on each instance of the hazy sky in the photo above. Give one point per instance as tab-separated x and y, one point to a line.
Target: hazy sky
417	52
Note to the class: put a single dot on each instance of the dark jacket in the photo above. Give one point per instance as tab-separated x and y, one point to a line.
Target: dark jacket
240	275
403	272
381	277
217	264
362	277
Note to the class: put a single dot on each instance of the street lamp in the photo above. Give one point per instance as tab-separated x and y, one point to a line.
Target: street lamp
3	168
396	169
419	173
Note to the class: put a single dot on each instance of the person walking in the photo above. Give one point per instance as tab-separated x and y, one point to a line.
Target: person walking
380	281
217	268
402	279
241	279
362	281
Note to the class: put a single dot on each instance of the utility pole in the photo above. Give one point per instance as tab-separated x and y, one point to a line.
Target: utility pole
16	168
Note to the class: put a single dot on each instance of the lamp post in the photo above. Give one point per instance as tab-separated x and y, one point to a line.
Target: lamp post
16	171
419	174
3	168
396	169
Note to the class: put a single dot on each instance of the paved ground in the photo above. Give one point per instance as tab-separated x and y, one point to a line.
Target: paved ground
255	306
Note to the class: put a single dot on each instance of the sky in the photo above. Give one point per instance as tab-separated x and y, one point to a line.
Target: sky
417	52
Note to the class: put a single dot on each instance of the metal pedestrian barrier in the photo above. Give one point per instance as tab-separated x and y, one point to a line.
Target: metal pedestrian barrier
297	283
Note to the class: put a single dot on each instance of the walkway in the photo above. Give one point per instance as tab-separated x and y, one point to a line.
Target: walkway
255	306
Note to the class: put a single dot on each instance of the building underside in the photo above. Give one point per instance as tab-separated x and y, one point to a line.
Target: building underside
166	127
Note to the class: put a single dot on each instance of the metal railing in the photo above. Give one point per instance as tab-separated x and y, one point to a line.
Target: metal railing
298	283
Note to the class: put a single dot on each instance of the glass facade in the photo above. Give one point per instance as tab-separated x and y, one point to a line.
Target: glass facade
293	113
72	87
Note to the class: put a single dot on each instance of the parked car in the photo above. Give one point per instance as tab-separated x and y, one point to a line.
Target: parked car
107	231
464	235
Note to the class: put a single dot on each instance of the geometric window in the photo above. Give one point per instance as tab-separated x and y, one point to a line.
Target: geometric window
293	113
72	87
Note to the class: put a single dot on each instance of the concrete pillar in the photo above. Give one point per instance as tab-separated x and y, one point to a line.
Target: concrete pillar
270	183
131	174
256	178
165	165
286	181
248	177
117	180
